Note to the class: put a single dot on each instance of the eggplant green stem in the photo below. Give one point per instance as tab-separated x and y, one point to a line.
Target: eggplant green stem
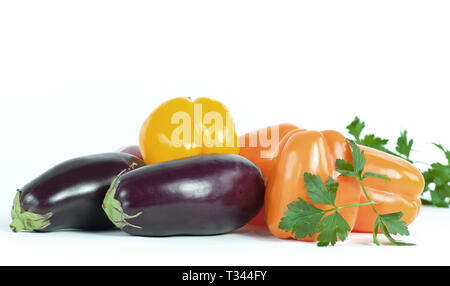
27	220
113	207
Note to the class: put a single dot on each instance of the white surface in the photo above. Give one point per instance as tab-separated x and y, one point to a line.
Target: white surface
80	77
247	246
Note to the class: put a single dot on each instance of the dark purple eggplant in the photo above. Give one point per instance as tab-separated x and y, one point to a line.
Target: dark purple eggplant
70	195
202	195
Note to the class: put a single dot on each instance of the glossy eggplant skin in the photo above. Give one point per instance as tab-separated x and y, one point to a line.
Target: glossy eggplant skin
70	194
202	195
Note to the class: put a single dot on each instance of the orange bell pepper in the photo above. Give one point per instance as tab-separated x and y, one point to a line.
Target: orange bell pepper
181	128
315	152
261	147
308	152
262	142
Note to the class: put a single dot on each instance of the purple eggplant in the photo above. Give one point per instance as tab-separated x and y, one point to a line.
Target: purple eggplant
70	194
202	195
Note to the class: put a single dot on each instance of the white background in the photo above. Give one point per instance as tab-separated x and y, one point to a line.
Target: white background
80	77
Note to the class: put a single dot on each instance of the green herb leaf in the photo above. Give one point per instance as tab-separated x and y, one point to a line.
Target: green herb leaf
355	128
358	158
319	193
332	188
440	195
344	165
391	224
375	231
439	173
301	219
332	228
372	141
395	242
439	176
403	145
446	152
345	168
394	224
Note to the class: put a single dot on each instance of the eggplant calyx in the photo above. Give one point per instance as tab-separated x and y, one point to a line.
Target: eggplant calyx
27	220
113	207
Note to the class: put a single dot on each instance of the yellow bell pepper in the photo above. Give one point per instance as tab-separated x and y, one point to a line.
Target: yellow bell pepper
181	128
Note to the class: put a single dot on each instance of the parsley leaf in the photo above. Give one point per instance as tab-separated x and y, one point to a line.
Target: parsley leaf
394	224
372	141
331	228
344	166
403	145
440	195
301	219
355	127
358	158
438	175
318	192
348	169
446	152
391	224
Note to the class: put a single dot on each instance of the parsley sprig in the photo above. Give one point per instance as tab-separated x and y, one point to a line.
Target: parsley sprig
403	148
387	223
437	176
304	219
437	181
